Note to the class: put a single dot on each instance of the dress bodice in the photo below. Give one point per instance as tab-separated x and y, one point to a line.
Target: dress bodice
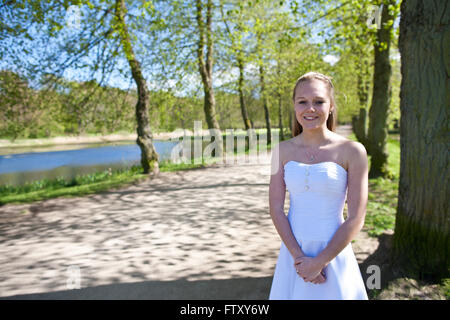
317	195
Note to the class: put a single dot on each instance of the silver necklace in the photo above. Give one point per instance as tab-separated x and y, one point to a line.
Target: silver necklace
312	157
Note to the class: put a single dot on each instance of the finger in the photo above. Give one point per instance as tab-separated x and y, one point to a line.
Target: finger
299	260
316	279
320	279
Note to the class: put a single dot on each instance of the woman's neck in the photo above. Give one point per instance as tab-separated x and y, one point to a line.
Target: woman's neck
315	137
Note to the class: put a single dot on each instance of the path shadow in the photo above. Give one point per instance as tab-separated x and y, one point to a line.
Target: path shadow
182	289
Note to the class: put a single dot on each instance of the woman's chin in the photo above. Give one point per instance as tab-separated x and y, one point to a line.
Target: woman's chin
311	126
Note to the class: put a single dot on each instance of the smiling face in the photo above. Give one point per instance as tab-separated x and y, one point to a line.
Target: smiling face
312	104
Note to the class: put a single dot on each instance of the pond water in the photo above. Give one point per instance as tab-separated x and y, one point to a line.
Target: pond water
20	168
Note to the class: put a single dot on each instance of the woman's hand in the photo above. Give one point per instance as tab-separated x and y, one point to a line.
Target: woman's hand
310	270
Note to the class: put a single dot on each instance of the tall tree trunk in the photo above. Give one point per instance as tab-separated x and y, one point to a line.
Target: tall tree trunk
359	122
421	238
265	105
244	112
280	116
280	96
149	157
206	69
381	97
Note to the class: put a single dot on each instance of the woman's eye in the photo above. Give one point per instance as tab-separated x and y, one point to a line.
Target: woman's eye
300	102
320	102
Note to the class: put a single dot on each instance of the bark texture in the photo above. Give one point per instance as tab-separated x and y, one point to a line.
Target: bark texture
421	238
244	111
265	104
359	122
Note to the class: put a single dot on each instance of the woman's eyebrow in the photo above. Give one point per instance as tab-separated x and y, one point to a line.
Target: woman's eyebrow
316	97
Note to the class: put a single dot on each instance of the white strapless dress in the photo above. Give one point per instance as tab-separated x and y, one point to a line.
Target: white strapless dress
317	195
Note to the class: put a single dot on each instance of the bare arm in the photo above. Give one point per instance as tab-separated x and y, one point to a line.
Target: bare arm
277	193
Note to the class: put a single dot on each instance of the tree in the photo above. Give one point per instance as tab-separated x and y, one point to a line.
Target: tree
352	28
16	106
268	22
237	49
351	37
149	157
422	238
361	48
381	93
205	66
184	58
262	52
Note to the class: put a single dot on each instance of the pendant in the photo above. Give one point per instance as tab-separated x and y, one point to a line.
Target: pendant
311	158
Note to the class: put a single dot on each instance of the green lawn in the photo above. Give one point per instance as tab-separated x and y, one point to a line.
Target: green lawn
383	192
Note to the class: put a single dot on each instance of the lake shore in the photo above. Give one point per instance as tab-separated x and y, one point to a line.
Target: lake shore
83	139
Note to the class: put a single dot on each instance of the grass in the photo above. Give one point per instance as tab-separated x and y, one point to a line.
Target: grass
78	186
445	287
82	184
383	192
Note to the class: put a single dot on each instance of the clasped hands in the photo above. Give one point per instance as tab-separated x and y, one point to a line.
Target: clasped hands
310	270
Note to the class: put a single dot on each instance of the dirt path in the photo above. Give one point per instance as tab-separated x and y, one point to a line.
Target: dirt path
197	234
192	225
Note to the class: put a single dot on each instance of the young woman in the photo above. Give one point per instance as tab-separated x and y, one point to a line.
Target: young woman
320	169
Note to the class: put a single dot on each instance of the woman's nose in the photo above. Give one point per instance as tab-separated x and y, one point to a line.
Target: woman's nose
309	106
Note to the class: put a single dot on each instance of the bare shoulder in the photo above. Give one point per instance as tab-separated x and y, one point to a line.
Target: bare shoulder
356	154
279	152
283	148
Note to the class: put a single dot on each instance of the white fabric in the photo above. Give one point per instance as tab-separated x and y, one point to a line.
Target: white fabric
317	195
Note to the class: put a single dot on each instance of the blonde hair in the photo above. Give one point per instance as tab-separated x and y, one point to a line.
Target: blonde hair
331	121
